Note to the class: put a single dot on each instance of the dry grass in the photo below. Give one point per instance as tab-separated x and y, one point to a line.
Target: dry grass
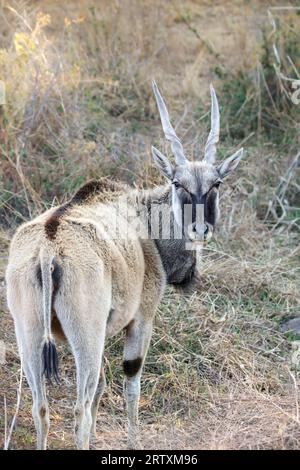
219	373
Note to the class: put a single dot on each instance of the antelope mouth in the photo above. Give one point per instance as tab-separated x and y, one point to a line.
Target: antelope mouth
199	235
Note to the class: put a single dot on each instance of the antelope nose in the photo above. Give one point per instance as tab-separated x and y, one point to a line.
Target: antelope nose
200	229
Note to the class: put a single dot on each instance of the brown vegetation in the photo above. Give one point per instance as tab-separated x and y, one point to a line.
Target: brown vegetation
220	372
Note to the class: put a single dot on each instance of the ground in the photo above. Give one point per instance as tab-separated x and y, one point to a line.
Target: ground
218	375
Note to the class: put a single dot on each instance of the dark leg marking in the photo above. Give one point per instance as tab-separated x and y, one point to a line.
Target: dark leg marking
132	367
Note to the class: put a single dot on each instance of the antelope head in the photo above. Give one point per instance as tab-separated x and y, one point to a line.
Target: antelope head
195	184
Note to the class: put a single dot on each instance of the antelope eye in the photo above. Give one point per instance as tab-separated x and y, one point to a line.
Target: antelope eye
217	184
176	184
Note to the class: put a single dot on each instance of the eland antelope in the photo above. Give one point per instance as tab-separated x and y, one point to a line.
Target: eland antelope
70	276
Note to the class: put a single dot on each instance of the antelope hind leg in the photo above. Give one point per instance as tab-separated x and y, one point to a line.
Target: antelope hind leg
138	335
99	392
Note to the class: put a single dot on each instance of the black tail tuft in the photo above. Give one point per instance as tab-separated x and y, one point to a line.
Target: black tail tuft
50	359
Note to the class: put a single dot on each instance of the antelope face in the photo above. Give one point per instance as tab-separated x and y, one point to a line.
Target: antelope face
195	199
195	185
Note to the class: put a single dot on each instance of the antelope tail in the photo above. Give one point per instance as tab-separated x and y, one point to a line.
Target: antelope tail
49	279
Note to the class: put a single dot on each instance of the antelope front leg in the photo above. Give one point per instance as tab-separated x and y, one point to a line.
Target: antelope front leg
137	340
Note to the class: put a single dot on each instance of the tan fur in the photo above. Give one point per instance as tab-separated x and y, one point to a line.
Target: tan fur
68	273
105	286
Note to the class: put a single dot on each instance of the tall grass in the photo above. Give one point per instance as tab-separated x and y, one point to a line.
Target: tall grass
79	104
79	98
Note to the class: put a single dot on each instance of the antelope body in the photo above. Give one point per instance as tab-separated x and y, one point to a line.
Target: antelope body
69	275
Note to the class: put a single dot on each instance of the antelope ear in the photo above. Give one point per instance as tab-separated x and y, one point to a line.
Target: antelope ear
162	163
230	163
